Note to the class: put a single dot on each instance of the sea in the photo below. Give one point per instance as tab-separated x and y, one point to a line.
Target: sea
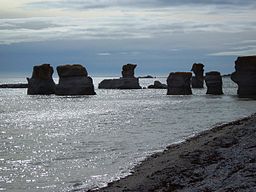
67	143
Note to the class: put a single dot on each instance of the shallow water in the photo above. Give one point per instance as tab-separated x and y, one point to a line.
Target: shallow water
52	143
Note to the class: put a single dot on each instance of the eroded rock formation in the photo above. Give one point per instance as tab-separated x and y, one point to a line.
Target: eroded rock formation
74	80
179	83
245	76
127	81
41	82
213	82
198	79
157	85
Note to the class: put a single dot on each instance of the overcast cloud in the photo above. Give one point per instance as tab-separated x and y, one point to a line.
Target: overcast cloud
211	31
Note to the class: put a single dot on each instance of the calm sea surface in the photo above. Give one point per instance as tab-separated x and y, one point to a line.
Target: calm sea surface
53	143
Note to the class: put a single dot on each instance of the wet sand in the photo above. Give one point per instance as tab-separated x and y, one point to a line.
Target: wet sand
220	159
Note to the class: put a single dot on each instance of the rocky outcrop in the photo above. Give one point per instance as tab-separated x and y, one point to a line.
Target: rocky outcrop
245	76
213	82
179	83
157	85
128	70
41	82
127	81
198	79
122	83
74	80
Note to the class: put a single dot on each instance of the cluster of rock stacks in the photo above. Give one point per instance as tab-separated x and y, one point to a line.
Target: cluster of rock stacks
127	81
179	83
198	79
213	82
74	80
157	85
245	76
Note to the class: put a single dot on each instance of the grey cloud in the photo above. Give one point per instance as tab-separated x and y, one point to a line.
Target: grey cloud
92	4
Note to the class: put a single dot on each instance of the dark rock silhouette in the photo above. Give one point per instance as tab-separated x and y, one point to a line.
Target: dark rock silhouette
128	70
198	79
128	81
245	76
179	83
41	82
157	85
14	86
146	77
74	80
213	82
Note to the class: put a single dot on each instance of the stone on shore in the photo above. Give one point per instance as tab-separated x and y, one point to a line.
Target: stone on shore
179	83
245	76
157	85
127	81
213	82
198	79
74	80
41	82
14	86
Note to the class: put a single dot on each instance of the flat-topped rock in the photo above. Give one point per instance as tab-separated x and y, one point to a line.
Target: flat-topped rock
179	83
213	82
198	79
74	80
245	76
41	82
75	70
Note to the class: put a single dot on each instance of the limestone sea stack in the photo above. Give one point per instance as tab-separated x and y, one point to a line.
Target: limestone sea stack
127	81
157	85
41	82
74	80
179	83
198	79
213	82
245	76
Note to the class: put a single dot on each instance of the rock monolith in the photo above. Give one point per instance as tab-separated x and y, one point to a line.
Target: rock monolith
41	82
179	83
213	82
198	79
74	80
245	76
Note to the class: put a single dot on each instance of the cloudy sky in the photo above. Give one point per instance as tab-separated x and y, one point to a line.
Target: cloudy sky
161	36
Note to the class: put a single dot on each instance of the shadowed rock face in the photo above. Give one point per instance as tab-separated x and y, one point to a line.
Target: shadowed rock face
157	85
198	80
74	80
179	83
128	70
41	82
245	76
128	81
213	82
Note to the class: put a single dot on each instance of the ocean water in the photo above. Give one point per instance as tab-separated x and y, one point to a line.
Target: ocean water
53	143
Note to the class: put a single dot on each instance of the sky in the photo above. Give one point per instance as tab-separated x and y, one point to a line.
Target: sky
160	36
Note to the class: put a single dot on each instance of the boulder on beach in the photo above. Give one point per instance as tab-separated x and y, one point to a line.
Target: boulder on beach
157	85
198	79
74	80
41	82
127	81
245	76
179	83
213	82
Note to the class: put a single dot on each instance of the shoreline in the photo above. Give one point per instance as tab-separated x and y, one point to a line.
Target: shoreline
222	158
